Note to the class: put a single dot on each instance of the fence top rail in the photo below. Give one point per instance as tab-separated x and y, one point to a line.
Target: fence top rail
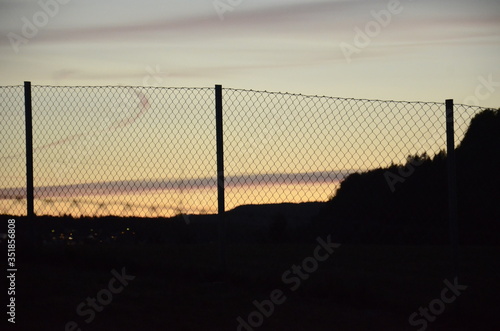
125	86
430	103
335	98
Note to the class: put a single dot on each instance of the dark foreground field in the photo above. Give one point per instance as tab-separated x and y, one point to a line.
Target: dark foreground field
179	287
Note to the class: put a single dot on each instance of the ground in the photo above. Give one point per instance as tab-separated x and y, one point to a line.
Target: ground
180	287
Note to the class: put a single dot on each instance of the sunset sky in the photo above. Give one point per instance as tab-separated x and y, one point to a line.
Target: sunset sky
409	50
427	51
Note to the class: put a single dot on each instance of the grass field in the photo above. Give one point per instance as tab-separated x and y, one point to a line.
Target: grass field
180	287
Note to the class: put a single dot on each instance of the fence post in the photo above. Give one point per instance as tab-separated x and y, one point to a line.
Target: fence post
220	175
30	205
452	184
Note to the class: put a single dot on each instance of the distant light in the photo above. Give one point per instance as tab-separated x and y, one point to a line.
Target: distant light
128	229
52	230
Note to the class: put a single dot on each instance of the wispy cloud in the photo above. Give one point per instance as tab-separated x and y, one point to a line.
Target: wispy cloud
329	16
110	43
138	186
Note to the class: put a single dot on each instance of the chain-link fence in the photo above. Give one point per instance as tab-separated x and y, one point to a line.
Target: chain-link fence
114	150
147	151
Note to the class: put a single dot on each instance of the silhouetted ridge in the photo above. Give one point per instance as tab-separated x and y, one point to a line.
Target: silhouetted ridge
408	203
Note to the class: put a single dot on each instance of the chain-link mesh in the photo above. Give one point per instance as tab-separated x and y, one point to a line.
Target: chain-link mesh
12	151
462	117
122	150
145	151
296	148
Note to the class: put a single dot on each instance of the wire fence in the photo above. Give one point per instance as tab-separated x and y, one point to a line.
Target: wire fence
149	151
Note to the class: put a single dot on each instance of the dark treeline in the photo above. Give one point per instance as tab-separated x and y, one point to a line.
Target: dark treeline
409	203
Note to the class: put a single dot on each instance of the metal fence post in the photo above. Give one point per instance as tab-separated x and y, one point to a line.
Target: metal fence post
30	205
452	184
220	175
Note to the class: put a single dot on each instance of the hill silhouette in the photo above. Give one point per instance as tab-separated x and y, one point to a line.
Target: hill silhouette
408	203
